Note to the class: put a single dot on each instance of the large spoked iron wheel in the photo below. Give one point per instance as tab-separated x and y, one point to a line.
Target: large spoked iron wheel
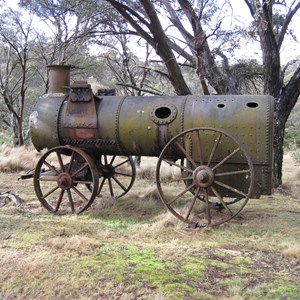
61	178
210	182
117	175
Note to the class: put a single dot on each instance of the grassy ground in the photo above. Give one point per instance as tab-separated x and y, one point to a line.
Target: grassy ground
133	249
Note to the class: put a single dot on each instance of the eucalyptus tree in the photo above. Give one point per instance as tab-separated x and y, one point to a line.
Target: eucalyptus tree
203	42
67	25
134	73
272	27
16	41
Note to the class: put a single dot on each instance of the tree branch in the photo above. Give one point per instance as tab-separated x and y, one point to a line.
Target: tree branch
122	9
252	12
292	92
140	89
286	23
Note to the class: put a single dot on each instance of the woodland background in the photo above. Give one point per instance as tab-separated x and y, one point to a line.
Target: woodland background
148	47
133	248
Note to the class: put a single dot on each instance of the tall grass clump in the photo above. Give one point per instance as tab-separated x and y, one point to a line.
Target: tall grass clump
13	159
147	170
5	138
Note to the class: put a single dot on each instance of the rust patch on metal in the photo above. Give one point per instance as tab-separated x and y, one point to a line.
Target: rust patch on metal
81	109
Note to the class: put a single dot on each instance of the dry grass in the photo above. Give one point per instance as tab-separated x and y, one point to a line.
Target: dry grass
75	243
17	159
147	170
291	177
132	248
292	252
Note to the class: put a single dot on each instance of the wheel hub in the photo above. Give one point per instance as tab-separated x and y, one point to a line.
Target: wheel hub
203	176
107	171
65	181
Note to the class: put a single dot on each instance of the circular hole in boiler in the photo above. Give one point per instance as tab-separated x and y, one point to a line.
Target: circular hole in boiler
163	112
221	105
252	104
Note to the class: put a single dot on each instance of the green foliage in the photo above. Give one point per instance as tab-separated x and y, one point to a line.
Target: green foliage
6	137
292	133
296	155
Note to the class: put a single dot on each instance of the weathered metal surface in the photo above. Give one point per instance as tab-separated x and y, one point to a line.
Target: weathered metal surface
80	112
58	79
70	181
211	182
142	126
44	121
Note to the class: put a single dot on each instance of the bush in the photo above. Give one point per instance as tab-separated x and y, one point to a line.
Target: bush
6	138
292	132
296	155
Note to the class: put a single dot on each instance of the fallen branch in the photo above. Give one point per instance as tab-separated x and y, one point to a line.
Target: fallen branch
8	195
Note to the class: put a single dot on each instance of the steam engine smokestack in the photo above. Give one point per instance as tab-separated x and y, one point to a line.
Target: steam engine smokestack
58	79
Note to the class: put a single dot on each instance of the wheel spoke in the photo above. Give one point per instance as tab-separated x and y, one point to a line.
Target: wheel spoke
123	174
230	188
226	158
59	200
105	160
221	199
71	162
51	167
198	143
79	170
177	179
177	165
119	183
71	201
232	173
79	193
122	163
101	185
50	192
181	194
192	204
208	214
112	160
110	187
188	157
217	140
61	164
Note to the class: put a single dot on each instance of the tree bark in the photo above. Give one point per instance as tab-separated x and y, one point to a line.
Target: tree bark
142	16
156	37
286	95
287	100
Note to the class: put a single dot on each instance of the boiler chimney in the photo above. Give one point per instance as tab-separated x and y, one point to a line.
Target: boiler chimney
58	79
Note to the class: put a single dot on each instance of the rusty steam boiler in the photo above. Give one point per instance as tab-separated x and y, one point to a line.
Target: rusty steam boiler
214	152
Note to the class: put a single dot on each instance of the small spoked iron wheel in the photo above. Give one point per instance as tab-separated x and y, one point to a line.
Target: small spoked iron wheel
117	175
61	178
204	176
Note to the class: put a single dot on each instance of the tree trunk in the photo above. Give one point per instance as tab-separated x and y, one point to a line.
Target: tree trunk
157	38
278	150
20	141
285	94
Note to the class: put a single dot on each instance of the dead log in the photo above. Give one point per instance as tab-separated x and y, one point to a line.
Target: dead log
6	197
